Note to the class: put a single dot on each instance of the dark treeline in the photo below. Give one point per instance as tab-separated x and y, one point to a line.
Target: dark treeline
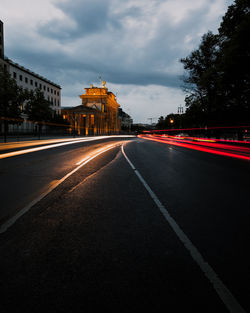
16	101
216	79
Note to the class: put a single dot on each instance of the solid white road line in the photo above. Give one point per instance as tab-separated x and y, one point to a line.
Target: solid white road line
73	141
12	220
224	293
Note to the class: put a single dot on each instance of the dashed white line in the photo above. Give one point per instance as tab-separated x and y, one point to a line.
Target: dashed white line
224	293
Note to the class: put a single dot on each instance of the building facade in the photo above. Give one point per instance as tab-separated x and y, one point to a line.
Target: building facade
2	61
31	81
1	41
97	115
126	121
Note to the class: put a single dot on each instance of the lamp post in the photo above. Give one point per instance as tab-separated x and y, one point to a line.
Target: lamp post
74	121
171	121
116	118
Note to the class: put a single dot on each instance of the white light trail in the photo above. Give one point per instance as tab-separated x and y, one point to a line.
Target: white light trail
51	187
72	141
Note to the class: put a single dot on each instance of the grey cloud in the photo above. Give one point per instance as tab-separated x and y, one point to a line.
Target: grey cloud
117	60
89	16
61	69
143	78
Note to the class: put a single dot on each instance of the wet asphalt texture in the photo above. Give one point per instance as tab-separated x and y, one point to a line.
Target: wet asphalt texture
98	242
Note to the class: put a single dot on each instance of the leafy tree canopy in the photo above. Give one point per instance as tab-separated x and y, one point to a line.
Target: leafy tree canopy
217	78
11	96
38	108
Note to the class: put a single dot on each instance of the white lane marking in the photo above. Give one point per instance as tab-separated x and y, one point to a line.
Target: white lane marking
12	220
20	152
224	293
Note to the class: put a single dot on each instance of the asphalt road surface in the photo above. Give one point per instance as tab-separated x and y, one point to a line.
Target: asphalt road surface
142	226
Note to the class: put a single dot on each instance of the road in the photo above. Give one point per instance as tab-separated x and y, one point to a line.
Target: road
143	225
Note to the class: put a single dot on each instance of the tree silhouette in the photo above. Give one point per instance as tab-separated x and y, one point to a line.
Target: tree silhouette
11	100
217	78
38	109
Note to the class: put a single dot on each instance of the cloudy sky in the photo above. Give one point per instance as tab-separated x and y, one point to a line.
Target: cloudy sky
135	45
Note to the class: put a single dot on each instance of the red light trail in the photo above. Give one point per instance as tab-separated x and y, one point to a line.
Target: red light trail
226	141
204	145
196	128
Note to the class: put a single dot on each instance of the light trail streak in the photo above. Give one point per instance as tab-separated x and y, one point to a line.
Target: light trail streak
196	128
214	148
23	144
209	143
204	139
96	153
51	186
68	142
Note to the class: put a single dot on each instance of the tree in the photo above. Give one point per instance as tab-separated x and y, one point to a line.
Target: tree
161	123
234	59
58	123
11	99
38	109
217	78
201	80
169	122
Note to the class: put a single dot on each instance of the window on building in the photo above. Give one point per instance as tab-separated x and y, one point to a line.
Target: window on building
51	90
21	77
44	87
54	92
31	82
36	84
40	86
58	93
14	74
26	79
48	89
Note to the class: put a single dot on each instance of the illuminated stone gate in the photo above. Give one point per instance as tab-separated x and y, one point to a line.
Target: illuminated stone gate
97	115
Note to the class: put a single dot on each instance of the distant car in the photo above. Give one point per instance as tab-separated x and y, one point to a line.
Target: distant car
182	135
